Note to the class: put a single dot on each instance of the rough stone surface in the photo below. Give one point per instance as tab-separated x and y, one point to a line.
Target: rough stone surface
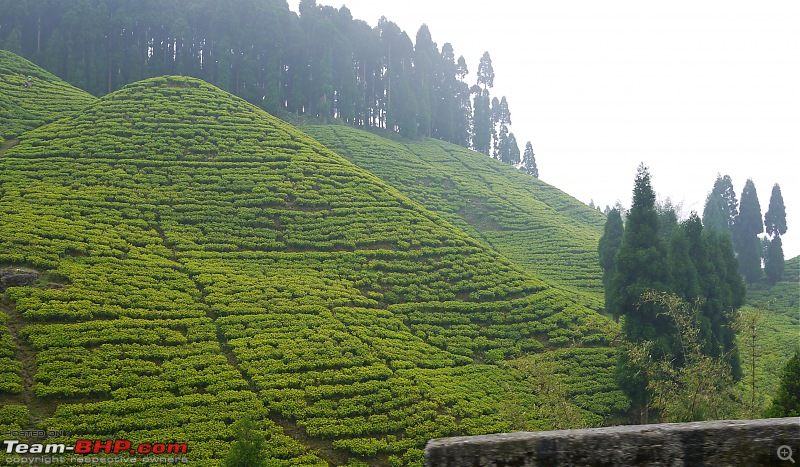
716	443
15	277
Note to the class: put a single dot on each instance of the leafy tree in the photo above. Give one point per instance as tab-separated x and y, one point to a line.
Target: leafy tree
787	400
249	448
747	227
607	251
774	265
775	218
699	389
529	161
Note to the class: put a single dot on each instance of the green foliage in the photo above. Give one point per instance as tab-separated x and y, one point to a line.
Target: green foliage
607	249
534	224
700	388
787	399
249	448
10	369
323	63
13	417
774	265
775	218
215	263
23	108
641	264
529	161
748	226
721	208
777	337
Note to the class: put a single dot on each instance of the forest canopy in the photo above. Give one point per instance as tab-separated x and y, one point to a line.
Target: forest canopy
321	63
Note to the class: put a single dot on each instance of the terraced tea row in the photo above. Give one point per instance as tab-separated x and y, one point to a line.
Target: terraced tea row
534	224
264	276
31	97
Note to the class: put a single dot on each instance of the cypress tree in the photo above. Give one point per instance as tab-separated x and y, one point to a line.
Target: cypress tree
747	227
724	292
775	223
774	265
721	207
607	251
775	218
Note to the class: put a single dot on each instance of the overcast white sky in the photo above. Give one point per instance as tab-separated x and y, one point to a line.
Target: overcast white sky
690	88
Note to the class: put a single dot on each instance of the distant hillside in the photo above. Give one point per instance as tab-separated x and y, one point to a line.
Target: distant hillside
539	227
779	335
202	261
48	97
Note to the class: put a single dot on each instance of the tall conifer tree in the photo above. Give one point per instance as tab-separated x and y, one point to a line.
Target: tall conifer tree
748	226
607	251
721	206
775	218
775	223
529	161
642	266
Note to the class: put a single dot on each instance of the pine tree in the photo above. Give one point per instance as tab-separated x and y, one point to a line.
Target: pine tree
607	250
748	226
529	161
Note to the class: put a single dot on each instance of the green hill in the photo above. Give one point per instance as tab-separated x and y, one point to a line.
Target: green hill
778	335
539	227
24	108
202	261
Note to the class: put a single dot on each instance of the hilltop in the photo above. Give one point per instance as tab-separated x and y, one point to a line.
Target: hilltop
24	108
201	261
539	227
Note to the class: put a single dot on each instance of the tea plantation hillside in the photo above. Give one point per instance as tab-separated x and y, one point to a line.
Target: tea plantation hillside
201	261
530	222
46	99
777	337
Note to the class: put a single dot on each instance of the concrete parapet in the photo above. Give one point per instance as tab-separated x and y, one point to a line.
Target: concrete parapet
714	443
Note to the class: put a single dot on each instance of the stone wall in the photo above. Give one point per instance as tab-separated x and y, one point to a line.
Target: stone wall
729	442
